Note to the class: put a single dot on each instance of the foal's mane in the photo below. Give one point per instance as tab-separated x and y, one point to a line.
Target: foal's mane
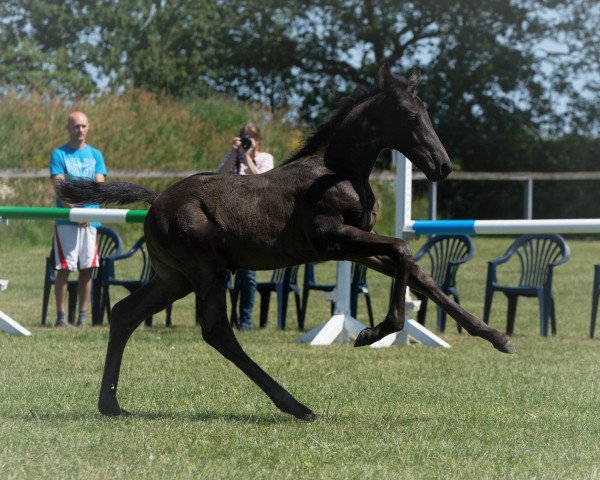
323	131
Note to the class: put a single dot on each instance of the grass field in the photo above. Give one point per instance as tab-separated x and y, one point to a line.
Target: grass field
468	412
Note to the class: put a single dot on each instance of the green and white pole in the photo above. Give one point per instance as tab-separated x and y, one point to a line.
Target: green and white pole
107	215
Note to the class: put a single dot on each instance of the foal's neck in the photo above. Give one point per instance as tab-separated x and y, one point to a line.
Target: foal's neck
356	143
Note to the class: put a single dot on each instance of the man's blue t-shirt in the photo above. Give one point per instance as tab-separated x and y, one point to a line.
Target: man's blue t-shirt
84	163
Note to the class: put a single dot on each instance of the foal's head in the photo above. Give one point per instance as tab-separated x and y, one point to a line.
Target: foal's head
408	127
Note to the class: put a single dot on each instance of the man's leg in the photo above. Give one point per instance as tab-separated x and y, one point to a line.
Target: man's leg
88	260
84	290
246	283
60	293
65	261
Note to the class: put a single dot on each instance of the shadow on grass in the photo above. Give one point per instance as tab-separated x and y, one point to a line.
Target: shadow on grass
206	416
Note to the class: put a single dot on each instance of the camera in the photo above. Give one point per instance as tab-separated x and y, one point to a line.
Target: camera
246	142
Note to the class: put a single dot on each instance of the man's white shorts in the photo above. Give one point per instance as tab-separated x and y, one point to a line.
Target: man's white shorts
75	247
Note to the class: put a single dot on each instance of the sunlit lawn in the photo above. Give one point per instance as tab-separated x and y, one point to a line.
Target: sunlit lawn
414	412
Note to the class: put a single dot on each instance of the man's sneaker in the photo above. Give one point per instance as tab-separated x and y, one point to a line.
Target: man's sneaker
61	322
81	322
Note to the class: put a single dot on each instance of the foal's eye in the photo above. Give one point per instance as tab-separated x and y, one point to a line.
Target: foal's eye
413	121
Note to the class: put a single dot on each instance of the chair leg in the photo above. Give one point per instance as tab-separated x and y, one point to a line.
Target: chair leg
45	301
511	313
552	316
543	314
97	311
282	301
369	310
265	299
72	302
595	298
487	305
303	305
441	320
105	304
353	302
457	300
298	308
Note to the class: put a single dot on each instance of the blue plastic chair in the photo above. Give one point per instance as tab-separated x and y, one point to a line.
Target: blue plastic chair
538	255
109	277
309	284
109	243
445	254
283	281
358	286
595	297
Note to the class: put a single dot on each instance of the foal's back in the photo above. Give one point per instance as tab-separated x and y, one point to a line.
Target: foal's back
259	221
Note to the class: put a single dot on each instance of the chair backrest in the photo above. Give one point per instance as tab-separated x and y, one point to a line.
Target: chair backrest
147	271
279	274
537	255
108	241
446	253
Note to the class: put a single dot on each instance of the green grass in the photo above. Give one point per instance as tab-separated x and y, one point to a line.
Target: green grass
416	412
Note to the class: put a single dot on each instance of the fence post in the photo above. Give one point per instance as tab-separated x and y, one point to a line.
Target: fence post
528	199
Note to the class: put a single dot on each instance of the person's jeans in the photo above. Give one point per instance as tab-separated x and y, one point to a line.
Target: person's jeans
245	284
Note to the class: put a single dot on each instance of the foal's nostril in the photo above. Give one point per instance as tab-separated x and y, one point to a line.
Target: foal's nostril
445	169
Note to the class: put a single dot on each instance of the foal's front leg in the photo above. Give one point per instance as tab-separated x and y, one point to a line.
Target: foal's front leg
350	243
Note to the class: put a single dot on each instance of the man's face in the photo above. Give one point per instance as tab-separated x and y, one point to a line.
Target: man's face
78	127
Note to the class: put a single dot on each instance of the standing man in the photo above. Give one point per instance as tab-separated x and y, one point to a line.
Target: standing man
75	243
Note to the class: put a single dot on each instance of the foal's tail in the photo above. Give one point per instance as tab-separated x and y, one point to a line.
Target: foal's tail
84	192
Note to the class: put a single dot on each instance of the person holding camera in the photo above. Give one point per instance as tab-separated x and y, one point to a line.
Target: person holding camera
246	158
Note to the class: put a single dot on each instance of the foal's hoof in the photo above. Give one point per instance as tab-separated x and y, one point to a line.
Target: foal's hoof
369	336
366	337
506	347
112	410
310	417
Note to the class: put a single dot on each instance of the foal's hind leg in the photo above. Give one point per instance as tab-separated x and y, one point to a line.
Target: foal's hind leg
419	280
125	317
210	286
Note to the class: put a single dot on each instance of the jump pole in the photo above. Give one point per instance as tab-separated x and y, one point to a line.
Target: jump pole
108	215
501	227
116	215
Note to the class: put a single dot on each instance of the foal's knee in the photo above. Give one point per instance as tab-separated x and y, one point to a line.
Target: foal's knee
404	255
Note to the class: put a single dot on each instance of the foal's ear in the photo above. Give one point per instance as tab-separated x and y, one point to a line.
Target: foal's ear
384	75
414	77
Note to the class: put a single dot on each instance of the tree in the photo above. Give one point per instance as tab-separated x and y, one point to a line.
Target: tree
43	45
160	46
